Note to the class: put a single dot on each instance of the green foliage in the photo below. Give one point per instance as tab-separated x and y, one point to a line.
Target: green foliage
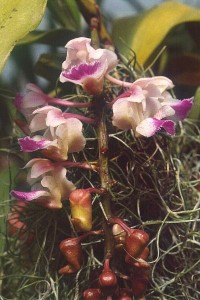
66	13
195	112
53	37
146	31
16	20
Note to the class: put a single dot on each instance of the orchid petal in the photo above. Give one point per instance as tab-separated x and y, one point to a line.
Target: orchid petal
38	123
55	118
71	134
182	108
28	144
29	196
150	126
39	166
161	82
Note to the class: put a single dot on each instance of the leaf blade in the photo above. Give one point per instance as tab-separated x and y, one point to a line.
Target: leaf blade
16	20
146	31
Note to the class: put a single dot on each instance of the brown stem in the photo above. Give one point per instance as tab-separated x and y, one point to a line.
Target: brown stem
100	113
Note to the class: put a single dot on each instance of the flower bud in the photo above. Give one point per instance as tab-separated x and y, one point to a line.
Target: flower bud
72	250
140	262
125	294
139	283
119	234
17	226
107	280
136	242
92	294
81	209
93	86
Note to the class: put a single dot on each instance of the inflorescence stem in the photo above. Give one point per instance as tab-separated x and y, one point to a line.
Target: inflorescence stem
102	135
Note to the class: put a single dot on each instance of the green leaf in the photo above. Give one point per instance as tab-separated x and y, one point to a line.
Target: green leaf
49	66
66	12
7	175
144	33
57	37
195	112
17	18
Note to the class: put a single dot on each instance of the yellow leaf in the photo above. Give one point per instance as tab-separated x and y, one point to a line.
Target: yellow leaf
146	31
17	18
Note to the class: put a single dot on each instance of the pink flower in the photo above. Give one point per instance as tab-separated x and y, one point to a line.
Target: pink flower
49	185
61	136
33	98
146	105
87	66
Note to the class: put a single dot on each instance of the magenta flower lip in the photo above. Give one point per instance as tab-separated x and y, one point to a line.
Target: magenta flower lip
81	71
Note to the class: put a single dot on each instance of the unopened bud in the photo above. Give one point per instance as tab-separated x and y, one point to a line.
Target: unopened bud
81	209
72	250
107	280
92	294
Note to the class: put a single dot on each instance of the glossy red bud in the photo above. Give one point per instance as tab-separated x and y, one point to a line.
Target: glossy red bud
139	283
140	262
136	242
125	294
119	234
72	250
107	280
92	294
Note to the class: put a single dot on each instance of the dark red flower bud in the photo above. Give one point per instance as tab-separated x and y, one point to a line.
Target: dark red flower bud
92	294
136	242
107	280
18	227
140	262
139	283
119	234
125	294
72	250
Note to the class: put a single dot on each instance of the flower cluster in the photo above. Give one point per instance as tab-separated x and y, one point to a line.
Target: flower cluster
145	106
148	105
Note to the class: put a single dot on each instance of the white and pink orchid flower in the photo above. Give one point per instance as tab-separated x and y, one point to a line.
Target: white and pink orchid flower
148	106
87	66
49	185
58	141
33	98
63	134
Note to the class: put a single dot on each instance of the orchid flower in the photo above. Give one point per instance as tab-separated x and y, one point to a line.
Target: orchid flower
33	98
57	141
148	106
49	185
87	66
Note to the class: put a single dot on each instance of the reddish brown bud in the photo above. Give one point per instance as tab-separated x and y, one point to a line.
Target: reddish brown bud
93	86
107	280
140	262
92	294
72	250
119	234
16	226
136	242
139	283
81	209
125	294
